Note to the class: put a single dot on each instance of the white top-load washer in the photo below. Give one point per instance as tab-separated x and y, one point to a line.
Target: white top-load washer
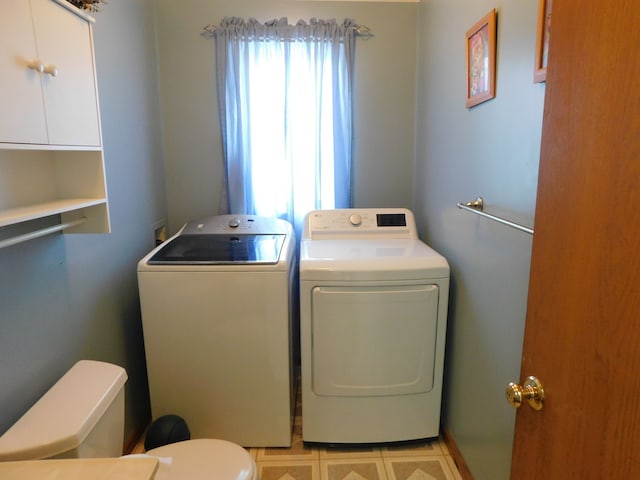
373	314
218	303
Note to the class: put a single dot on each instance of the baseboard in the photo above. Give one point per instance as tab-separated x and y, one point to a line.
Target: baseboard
131	443
456	456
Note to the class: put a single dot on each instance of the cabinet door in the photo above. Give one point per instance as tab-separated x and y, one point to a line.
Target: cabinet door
21	112
65	44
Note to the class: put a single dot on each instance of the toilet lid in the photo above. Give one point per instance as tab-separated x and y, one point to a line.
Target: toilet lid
205	459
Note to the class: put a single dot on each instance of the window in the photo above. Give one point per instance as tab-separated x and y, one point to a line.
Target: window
285	107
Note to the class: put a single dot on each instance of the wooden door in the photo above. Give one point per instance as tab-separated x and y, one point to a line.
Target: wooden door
582	337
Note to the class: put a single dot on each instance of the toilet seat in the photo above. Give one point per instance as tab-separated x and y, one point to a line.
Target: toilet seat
204	459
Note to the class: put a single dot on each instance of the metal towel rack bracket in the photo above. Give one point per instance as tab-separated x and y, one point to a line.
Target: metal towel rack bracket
477	207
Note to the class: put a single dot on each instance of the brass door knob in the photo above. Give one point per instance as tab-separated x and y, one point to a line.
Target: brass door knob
531	391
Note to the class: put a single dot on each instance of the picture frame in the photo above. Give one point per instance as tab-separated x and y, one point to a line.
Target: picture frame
542	41
481	60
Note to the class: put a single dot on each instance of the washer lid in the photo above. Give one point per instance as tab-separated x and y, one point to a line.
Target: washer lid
204	459
215	249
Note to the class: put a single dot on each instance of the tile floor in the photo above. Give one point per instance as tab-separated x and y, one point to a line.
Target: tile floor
422	461
429	461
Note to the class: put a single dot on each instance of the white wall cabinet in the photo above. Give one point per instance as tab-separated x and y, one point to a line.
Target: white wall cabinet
51	158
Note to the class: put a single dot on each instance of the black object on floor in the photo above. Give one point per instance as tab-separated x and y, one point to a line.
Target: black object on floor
165	430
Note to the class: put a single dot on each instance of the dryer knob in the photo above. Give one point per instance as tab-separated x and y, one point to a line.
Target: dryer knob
355	220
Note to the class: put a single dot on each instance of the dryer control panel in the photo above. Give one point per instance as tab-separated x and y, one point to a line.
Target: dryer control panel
360	223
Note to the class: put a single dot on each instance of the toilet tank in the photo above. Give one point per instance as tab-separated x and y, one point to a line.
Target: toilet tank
81	416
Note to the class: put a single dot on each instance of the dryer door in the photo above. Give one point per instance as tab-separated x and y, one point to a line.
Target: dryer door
373	340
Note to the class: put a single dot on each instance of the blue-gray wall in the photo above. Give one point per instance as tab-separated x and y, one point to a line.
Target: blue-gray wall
490	150
68	297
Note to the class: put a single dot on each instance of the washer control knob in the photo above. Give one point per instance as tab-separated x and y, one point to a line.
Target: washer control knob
355	220
234	223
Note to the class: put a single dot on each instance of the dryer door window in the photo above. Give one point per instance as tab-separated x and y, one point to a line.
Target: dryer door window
373	340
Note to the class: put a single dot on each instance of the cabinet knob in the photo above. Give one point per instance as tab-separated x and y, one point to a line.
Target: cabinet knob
36	65
51	70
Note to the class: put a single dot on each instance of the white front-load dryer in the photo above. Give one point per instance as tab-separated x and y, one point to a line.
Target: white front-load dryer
373	303
219	304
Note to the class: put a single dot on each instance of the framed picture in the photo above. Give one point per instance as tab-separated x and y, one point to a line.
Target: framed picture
481	60
542	41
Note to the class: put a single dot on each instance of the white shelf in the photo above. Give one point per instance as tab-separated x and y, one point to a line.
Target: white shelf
49	147
38	183
12	216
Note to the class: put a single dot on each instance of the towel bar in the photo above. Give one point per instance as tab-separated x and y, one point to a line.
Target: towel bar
477	207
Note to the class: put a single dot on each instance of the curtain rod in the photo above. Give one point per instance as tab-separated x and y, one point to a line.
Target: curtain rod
361	30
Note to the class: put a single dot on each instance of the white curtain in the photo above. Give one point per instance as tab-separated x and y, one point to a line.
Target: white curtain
285	96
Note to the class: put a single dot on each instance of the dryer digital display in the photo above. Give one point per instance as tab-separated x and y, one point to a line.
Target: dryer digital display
391	220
